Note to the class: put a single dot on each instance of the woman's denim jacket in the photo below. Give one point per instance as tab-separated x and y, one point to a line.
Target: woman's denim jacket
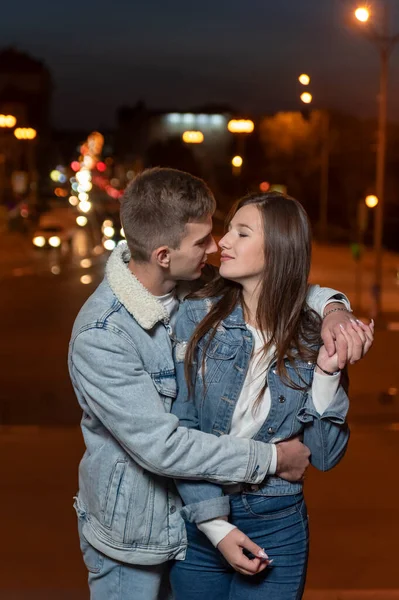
292	412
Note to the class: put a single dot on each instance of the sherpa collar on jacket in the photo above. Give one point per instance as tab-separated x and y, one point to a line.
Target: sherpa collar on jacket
140	303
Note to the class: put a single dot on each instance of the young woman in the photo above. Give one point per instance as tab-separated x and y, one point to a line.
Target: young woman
250	363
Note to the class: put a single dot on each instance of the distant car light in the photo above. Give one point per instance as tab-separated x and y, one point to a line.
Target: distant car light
54	241
109	231
85	279
85	263
39	241
109	244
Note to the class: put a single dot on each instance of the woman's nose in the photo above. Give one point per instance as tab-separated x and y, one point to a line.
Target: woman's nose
223	242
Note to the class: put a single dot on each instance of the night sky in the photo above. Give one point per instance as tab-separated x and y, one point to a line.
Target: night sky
178	54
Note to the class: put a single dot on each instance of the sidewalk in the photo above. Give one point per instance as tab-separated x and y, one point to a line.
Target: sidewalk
40	558
333	266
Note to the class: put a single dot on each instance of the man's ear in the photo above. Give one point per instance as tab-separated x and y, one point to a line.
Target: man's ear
161	256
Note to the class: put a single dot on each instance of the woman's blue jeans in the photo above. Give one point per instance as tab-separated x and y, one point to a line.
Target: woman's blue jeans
279	524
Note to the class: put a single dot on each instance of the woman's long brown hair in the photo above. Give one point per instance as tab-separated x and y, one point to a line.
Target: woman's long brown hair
282	315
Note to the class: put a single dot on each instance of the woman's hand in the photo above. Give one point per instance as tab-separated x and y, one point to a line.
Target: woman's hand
335	326
352	332
232	547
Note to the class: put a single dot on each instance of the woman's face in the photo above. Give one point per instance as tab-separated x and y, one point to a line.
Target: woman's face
242	257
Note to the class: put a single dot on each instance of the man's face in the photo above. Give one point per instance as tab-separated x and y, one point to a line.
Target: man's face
187	262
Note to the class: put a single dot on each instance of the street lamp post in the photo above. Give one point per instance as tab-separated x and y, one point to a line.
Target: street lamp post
7	122
241	127
307	98
28	134
385	44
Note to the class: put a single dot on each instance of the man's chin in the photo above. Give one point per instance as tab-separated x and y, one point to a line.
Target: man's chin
189	276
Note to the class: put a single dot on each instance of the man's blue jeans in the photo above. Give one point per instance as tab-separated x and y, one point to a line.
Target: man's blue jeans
112	580
277	524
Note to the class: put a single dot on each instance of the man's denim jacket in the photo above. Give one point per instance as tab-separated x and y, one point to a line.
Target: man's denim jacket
122	371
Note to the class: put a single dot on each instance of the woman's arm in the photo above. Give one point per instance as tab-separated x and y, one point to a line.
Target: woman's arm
326	432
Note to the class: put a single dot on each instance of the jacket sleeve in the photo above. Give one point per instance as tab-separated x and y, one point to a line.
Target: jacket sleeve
203	500
326	435
108	375
318	297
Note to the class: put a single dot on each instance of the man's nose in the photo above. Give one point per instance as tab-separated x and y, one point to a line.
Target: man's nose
212	247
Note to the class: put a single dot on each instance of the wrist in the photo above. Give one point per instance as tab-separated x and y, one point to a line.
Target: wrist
333	307
279	453
327	371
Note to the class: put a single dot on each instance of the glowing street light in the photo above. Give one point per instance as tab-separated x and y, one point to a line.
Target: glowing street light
86	279
109	231
193	137
362	14
84	206
25	133
304	79
81	220
7	121
54	241
73	201
240	126
236	161
306	97
371	201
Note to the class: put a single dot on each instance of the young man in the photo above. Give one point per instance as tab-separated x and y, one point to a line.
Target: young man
121	367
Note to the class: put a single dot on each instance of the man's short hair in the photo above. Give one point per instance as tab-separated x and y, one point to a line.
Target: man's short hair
156	207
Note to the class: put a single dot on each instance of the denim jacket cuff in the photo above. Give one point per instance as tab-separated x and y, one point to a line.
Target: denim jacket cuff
260	458
336	415
206	509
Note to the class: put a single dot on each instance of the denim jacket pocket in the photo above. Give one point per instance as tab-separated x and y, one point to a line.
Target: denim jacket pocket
218	356
272	507
165	383
114	484
218	349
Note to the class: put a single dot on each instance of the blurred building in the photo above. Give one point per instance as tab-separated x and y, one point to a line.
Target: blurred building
146	137
25	92
25	89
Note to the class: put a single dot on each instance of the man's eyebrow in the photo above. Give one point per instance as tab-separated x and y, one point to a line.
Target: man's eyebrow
203	238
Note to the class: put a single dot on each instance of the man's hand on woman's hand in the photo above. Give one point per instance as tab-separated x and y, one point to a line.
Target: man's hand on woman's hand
232	547
346	336
352	333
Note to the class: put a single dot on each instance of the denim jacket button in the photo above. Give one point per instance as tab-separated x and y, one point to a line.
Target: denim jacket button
172	510
281	399
270	430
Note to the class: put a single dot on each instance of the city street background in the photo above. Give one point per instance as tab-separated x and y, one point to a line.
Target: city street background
294	97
